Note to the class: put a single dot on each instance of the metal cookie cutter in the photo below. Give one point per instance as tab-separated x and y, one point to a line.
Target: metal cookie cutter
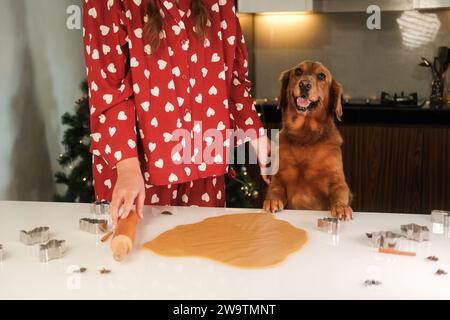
37	235
94	226
100	208
415	232
330	225
54	249
384	239
438	216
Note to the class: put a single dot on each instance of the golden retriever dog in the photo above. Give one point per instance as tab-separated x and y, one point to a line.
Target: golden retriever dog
310	175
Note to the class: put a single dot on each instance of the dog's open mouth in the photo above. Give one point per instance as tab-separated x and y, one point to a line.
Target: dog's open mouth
305	104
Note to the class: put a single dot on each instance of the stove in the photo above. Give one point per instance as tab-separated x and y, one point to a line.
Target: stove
402	100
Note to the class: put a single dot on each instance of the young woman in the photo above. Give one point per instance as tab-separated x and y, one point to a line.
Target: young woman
163	73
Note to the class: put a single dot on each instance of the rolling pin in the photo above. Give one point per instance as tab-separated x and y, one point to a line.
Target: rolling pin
122	242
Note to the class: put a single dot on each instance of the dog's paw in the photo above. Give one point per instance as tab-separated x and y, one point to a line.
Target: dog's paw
342	211
273	205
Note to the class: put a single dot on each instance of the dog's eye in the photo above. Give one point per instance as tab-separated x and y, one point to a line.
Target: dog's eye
321	76
298	72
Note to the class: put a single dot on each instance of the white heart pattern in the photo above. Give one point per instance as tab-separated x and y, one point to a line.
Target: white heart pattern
169	107
215	58
112	131
108	184
122	116
167	137
173	178
205	197
108	98
155	199
155	91
131	143
159	163
162	64
210	112
145	106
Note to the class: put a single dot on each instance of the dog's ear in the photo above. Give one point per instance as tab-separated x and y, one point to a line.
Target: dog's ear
336	91
283	99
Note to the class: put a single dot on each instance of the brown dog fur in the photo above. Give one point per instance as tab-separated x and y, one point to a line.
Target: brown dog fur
311	175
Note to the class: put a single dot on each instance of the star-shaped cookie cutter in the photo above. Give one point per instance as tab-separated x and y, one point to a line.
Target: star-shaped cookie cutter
384	239
415	232
329	225
94	226
54	249
35	236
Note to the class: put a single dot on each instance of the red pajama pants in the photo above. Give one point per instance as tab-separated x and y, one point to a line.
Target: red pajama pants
205	192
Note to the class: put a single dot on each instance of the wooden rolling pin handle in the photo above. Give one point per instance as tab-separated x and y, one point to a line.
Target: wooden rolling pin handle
124	236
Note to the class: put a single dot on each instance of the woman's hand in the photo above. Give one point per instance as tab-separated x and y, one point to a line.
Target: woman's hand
129	189
263	151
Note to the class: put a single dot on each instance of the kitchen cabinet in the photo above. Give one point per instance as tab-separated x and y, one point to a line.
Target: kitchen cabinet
395	159
257	6
431	4
397	168
330	6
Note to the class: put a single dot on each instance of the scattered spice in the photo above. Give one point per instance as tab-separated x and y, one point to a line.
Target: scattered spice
440	272
104	271
103	227
433	258
81	270
167	213
107	236
372	283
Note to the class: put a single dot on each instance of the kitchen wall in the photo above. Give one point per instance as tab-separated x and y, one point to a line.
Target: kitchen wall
41	66
365	61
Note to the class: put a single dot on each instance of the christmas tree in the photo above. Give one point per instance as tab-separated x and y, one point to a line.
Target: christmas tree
77	160
241	190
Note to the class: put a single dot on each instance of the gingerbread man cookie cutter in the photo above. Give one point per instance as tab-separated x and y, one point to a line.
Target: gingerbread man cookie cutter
94	226
329	225
415	232
54	249
35	236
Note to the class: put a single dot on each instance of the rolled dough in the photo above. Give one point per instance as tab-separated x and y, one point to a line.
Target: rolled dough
242	240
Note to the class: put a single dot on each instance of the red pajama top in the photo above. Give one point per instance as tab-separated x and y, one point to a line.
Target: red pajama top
198	86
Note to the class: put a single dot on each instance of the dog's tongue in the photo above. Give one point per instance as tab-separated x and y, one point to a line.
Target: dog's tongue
302	102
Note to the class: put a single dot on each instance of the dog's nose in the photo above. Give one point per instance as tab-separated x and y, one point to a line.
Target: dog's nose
305	85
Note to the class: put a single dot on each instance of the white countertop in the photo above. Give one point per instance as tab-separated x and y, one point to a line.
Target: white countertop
326	268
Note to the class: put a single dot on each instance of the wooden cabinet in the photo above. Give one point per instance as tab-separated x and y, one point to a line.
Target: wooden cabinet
397	169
